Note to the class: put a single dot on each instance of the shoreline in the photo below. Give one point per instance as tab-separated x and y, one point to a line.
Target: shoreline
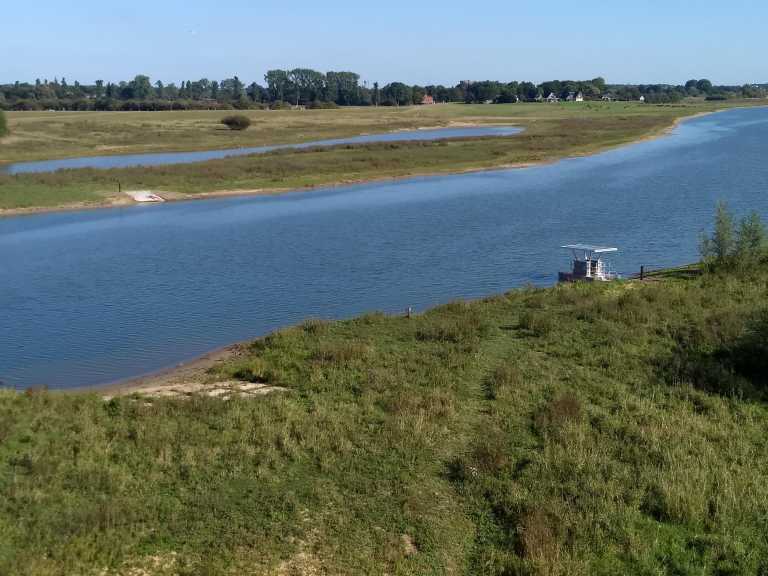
188	371
169	197
223	148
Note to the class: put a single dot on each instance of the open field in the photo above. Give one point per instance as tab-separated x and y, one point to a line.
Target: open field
49	135
582	429
551	132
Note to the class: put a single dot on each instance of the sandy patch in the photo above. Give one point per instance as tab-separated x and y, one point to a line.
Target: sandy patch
224	390
144	196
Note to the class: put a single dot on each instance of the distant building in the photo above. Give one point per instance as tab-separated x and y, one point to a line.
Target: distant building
552	97
574	97
427	99
607	98
642	98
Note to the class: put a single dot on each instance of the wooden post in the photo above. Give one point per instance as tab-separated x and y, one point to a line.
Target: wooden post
642	272
119	187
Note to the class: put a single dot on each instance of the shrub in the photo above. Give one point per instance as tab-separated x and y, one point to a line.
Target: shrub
3	125
733	245
236	122
318	105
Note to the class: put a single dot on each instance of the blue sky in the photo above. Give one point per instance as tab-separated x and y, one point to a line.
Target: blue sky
637	41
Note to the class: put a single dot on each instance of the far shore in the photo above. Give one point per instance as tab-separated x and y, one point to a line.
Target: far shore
126	201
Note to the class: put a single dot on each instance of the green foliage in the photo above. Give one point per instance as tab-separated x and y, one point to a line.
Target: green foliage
627	438
732	246
3	124
750	238
236	122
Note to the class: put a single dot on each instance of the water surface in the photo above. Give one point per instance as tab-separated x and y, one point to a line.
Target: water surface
165	158
92	297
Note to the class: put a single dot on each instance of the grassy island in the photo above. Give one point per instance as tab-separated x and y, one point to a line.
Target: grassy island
551	132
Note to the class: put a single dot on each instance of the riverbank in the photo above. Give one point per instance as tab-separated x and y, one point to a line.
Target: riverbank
566	131
600	429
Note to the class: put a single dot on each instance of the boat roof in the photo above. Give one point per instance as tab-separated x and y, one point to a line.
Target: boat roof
590	248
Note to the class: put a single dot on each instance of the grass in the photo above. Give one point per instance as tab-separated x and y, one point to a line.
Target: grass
551	132
581	429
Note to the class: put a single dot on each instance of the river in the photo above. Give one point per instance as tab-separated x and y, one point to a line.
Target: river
95	296
167	158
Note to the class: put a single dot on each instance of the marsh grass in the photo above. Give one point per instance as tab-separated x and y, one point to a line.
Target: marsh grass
458	441
551	132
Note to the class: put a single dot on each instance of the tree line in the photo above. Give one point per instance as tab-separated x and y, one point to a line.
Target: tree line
310	88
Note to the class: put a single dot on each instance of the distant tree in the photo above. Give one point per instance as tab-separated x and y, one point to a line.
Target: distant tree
345	86
277	84
376	94
396	94
254	92
527	91
417	94
704	85
486	91
599	84
140	87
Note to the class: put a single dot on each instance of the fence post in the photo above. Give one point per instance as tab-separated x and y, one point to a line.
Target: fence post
642	272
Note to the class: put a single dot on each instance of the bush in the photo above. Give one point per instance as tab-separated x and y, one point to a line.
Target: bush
317	105
236	122
3	125
733	245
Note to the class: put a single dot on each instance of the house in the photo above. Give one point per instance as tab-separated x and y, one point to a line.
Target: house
552	97
574	97
427	99
642	98
607	98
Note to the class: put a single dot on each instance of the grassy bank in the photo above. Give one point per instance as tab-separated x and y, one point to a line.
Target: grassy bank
551	132
581	429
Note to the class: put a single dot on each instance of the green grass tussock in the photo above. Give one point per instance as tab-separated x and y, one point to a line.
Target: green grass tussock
581	429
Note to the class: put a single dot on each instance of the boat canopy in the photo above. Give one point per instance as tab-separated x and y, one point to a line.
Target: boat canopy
590	248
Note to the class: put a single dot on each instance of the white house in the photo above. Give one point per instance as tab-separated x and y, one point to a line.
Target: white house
552	97
579	97
642	98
